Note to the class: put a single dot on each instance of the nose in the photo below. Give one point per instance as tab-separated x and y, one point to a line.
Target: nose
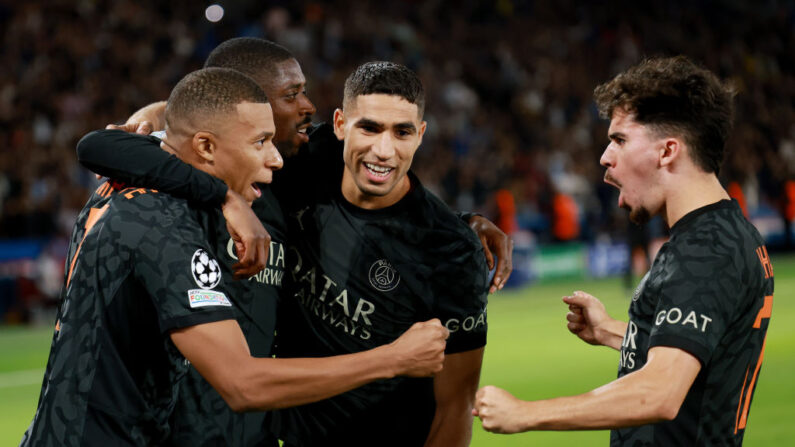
383	146
306	106
607	158
273	159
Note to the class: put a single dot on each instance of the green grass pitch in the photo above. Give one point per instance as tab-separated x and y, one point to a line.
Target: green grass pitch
530	353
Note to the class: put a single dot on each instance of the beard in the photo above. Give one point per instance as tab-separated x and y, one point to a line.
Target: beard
639	215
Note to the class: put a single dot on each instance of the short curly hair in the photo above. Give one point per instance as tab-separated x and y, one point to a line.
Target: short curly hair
207	93
252	56
675	96
386	78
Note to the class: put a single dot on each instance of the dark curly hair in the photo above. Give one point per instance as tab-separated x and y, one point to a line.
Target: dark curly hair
388	78
675	96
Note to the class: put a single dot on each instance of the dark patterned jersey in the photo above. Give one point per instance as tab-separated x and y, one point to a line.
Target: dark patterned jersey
709	292
201	417
360	278
139	265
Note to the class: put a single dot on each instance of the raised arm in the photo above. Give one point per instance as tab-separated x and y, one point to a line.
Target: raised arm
454	389
138	160
654	393
220	353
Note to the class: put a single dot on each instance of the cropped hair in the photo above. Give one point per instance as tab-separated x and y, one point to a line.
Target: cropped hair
207	93
386	78
252	56
674	96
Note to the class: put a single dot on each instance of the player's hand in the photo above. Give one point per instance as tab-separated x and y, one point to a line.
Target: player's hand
495	243
586	317
251	239
141	128
419	352
499	410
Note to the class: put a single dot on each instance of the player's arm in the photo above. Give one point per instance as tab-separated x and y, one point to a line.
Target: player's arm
139	161
588	319
145	120
495	243
652	394
219	352
454	389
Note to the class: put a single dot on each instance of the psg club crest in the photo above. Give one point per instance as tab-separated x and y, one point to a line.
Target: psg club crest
383	276
205	269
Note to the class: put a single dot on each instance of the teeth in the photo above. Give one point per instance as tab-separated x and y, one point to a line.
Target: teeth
302	130
378	170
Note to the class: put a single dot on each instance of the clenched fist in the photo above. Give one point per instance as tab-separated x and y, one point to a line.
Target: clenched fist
419	352
499	410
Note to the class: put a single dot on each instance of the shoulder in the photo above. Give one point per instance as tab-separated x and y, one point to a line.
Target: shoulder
140	213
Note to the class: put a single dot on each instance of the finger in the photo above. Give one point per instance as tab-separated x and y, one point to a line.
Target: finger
99	177
576	299
505	262
144	128
575	328
574	318
262	253
112	126
487	251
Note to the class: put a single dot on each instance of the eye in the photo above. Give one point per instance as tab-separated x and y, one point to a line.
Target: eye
291	96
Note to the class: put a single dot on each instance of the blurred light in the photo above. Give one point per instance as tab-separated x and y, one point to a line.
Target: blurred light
214	13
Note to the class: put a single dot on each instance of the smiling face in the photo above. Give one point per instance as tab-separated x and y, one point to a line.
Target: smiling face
632	160
382	133
244	153
292	109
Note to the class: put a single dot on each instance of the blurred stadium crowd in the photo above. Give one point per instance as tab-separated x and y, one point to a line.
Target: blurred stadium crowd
513	132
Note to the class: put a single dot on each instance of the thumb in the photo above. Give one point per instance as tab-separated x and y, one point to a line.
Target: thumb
577	298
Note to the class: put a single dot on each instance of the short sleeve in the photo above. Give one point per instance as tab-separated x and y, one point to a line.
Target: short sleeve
179	271
462	299
696	305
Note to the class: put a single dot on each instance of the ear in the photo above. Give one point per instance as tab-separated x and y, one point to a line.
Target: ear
204	145
421	131
670	151
339	124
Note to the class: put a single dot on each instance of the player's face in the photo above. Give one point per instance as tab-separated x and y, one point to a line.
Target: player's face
632	162
381	133
245	154
292	109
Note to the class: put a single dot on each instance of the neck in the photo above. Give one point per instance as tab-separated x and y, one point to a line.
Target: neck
686	196
359	198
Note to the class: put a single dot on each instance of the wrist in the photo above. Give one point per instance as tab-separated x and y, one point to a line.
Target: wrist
387	362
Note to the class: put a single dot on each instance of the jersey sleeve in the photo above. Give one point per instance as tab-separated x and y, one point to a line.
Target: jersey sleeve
462	298
697	301
176	267
138	160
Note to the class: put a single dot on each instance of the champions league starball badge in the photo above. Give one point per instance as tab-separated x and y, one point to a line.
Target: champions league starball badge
383	276
205	269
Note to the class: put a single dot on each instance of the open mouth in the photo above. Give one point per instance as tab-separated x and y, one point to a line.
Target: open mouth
256	190
302	132
377	172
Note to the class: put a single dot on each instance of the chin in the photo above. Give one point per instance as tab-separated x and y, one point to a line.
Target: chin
639	215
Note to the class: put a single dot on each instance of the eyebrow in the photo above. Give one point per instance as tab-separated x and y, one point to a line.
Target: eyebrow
262	135
293	86
615	135
371	123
